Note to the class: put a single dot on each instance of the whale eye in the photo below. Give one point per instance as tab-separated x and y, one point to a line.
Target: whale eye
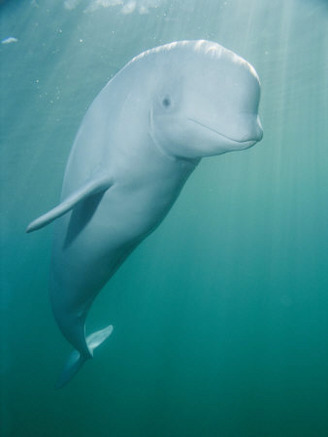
166	102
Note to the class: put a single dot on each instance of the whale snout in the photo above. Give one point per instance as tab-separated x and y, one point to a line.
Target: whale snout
242	134
255	131
258	129
247	129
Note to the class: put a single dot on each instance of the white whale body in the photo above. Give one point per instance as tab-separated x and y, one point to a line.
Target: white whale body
139	141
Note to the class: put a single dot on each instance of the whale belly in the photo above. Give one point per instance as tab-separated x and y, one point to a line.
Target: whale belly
88	250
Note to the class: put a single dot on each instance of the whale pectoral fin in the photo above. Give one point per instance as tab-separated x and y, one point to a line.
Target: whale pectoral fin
93	187
76	360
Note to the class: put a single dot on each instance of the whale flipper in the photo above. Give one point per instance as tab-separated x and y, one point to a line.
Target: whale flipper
89	189
75	360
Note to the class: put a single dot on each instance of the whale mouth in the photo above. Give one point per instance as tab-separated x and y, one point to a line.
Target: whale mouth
245	143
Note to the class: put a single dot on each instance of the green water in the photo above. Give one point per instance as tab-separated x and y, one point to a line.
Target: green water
221	315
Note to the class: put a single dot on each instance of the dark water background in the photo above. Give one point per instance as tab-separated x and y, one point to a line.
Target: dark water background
221	316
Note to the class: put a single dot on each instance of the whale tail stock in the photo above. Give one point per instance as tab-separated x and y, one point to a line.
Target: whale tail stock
76	360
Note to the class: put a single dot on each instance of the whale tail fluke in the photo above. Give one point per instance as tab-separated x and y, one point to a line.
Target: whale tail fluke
76	360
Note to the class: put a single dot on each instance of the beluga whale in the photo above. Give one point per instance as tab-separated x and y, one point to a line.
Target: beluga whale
139	141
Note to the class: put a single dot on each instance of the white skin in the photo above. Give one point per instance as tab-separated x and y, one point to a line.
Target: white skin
146	132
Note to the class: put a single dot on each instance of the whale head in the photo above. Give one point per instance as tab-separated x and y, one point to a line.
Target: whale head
207	102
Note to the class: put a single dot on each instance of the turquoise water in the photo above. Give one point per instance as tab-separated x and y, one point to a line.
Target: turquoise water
221	315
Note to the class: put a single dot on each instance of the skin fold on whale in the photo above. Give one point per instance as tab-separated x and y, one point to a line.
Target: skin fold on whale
138	143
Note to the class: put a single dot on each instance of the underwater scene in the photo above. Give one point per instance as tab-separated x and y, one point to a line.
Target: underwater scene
216	323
